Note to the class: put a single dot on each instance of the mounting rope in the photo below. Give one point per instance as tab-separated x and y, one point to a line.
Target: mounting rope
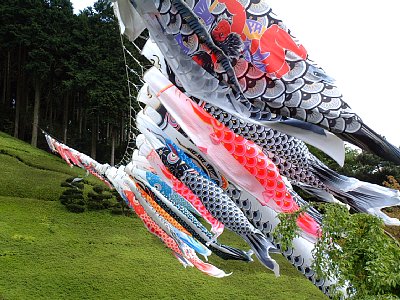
132	131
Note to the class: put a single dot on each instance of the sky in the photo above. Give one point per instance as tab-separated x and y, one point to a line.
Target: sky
81	4
354	41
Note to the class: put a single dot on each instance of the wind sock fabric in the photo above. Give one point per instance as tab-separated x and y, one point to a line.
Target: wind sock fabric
292	158
223	251
236	157
184	254
167	192
180	188
221	206
246	47
168	209
73	157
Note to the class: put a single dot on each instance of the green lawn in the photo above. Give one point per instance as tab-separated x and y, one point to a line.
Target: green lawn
49	253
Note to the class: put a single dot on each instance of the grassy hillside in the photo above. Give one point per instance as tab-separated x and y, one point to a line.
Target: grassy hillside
49	253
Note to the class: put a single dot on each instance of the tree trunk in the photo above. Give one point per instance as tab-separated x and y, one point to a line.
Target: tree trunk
17	110
36	109
80	122
122	129
19	94
3	91
24	99
84	127
112	161
73	110
8	87
94	138
80	116
107	131
6	80
23	109
98	127
19	107
65	119
55	116
50	116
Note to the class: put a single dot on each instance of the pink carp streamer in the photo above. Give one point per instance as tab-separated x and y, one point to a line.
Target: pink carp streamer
251	156
73	157
184	254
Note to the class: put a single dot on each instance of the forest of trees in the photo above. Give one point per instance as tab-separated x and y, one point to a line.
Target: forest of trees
64	73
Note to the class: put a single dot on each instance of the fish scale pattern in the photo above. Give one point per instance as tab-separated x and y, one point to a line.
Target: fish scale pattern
289	154
181	209
161	211
304	92
213	197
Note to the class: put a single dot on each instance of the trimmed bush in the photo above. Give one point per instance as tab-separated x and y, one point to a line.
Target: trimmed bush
92	205
72	197
69	184
110	203
99	189
99	198
72	192
117	210
76	208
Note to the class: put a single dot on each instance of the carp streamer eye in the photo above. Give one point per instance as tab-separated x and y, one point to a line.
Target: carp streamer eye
172	158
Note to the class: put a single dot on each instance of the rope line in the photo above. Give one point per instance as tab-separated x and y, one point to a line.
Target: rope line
132	70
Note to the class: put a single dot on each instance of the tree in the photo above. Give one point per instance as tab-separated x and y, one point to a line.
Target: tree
65	73
353	250
361	165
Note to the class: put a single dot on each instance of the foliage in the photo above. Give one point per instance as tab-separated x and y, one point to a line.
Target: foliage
99	188
361	165
75	207
80	196
392	183
97	198
72	197
358	246
353	248
287	229
77	61
393	212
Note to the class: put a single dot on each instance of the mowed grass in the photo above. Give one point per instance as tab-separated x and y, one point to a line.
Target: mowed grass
47	252
28	172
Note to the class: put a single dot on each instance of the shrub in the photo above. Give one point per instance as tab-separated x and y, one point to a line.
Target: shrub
93	205
99	189
110	203
117	210
353	248
95	197
76	208
99	198
72	192
69	183
107	195
72	197
126	210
